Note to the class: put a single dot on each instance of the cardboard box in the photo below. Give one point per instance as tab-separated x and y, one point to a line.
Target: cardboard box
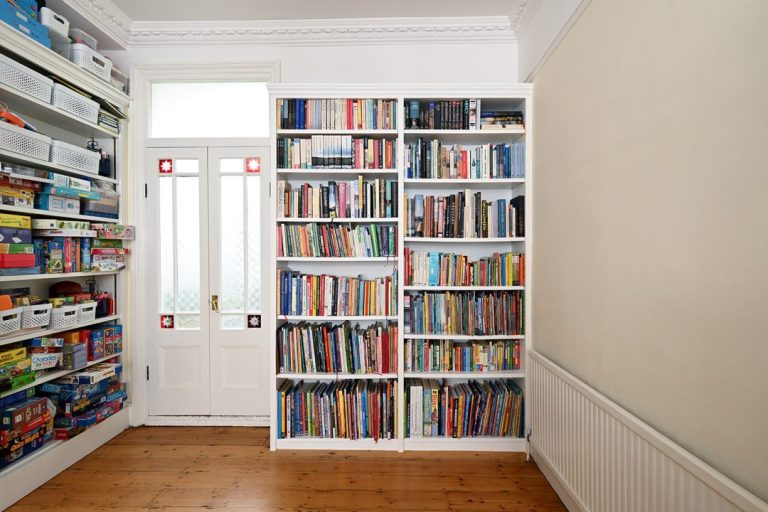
46	361
57	204
53	254
12	356
10	196
15	221
93	374
16	416
17	248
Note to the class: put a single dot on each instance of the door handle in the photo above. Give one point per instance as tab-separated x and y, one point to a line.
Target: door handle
215	303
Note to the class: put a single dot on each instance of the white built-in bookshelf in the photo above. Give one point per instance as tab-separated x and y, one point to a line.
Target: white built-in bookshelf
450	347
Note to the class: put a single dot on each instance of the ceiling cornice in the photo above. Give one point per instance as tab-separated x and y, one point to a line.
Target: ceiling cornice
107	16
478	29
523	16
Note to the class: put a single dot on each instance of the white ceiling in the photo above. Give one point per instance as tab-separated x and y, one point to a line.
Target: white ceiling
199	10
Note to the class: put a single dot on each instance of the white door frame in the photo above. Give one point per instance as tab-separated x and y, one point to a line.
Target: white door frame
141	80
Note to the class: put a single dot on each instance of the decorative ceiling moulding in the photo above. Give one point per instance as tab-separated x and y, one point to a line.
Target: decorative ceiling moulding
107	16
523	16
480	29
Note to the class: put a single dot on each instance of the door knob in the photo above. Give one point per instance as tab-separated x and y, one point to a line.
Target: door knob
215	303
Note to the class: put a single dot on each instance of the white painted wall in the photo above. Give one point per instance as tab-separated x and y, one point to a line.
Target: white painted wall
407	63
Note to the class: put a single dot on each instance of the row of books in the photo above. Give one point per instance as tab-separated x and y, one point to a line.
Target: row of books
455	114
337	114
430	159
340	348
336	152
450	269
500	119
361	409
345	199
464	215
487	408
336	241
326	295
454	356
468	313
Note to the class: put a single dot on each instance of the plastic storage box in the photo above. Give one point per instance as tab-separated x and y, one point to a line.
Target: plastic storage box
86	313
74	157
81	37
107	206
24	22
21	78
77	104
64	317
36	317
87	58
57	25
10	321
25	142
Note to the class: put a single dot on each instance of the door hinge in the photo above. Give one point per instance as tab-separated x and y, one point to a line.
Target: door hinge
147	372
146	191
270	189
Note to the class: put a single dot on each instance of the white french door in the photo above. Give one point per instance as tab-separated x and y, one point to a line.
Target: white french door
206	349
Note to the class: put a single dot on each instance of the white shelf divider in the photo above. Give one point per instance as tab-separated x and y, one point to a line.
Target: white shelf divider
337	376
70	275
15	158
20	210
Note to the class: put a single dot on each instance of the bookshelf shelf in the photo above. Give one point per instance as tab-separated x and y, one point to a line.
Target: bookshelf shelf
509	156
336	376
70	275
14	158
34	212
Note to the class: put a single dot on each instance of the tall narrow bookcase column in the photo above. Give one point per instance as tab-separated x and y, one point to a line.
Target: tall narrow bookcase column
326	135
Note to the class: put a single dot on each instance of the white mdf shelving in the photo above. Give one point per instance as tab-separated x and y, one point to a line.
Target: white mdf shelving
337	220
512	97
35	469
336	376
41	277
304	318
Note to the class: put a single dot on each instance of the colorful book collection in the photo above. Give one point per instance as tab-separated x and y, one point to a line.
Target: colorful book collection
464	215
351	409
356	199
430	159
336	152
336	241
465	313
336	114
342	348
484	408
500	119
449	269
448	114
326	295
454	356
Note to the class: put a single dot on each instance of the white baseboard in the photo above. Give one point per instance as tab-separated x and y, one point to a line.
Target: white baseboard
207	421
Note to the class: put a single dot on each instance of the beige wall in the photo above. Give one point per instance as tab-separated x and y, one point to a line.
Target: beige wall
651	219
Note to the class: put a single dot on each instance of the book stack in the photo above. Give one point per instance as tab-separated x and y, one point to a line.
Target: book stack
349	409
464	215
430	159
454	356
326	295
344	199
336	152
501	119
336	241
342	348
467	313
449	269
489	408
336	114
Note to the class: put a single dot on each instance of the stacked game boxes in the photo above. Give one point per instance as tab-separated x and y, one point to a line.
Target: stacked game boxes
26	424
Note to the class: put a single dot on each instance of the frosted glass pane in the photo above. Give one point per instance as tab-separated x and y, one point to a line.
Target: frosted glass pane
255	243
232	165
232	245
167	295
188	242
187	322
223	109
232	322
187	166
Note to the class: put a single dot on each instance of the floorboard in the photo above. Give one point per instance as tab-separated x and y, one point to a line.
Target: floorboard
186	469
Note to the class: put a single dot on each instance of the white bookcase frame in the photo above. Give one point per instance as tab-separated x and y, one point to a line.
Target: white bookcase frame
402	92
32	471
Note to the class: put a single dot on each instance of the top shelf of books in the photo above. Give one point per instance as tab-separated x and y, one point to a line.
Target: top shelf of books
339	115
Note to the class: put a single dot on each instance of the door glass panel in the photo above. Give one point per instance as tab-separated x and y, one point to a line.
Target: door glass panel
232	165
188	243
187	322
232	321
253	189
167	271
183	166
232	245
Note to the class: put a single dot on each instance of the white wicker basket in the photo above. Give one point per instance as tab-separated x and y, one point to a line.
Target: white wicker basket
74	157
24	142
10	321
88	59
77	104
22	78
64	317
36	317
87	312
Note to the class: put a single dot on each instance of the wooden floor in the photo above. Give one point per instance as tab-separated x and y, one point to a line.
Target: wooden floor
202	468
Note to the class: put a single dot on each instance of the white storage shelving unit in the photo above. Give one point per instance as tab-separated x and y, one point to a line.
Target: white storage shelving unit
519	96
32	471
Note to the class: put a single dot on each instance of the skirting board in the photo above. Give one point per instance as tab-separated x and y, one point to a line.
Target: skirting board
207	421
600	458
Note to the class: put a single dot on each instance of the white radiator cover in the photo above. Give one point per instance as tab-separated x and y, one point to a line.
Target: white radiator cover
600	458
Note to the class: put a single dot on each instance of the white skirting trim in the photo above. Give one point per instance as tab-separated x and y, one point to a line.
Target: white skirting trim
207	421
601	458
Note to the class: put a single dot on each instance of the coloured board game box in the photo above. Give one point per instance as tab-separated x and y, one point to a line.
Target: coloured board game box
15	369
18	415
97	416
12	235
12	355
114	231
93	374
68	412
16	397
7	436
75	356
46	360
74	392
57	204
96	343
29	443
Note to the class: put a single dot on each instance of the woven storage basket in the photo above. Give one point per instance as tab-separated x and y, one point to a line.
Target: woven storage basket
75	157
88	59
64	317
23	79
25	142
10	321
87	312
36	317
77	104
